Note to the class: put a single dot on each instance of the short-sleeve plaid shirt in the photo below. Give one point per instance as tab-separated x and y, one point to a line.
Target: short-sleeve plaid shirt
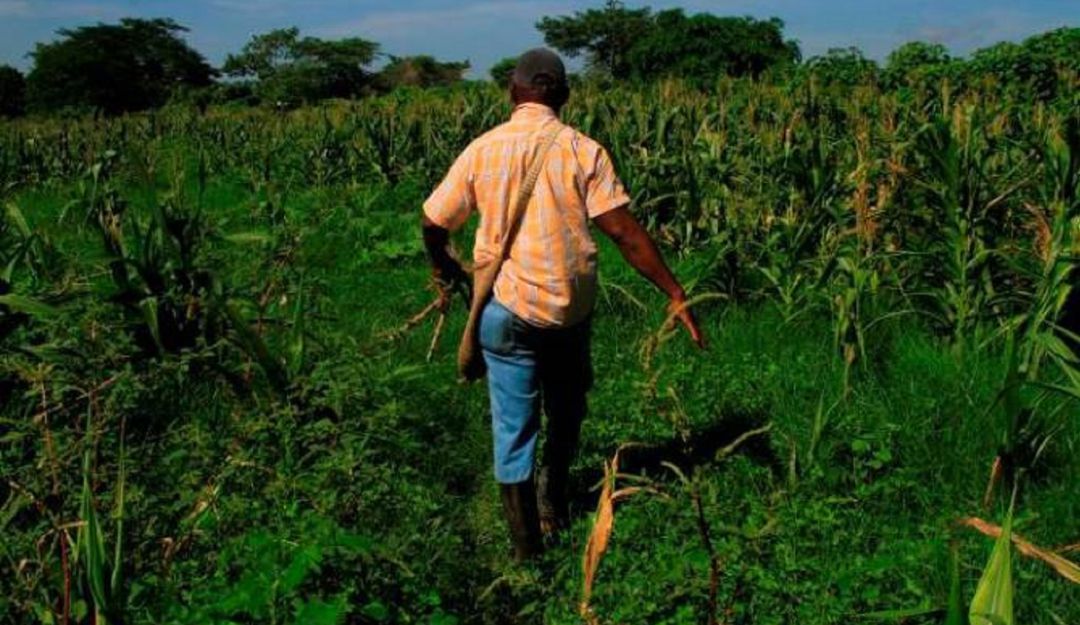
549	277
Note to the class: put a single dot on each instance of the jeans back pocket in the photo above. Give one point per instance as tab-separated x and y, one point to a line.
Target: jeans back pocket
497	328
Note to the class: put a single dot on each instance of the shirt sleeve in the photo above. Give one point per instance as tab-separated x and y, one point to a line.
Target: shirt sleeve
603	190
453	200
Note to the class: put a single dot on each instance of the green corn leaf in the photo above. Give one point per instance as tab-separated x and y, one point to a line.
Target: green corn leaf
16	217
899	615
305	561
118	553
1068	391
28	305
1055	346
249	238
993	602
254	346
91	542
954	614
21	252
296	338
315	612
149	308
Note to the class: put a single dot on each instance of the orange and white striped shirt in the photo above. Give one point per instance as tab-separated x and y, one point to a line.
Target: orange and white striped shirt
549	277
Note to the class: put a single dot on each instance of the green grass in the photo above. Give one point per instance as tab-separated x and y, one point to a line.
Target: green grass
373	497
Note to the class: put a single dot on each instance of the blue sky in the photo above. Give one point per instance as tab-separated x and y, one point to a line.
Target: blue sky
483	31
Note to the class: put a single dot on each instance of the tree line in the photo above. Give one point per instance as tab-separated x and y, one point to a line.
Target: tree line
138	64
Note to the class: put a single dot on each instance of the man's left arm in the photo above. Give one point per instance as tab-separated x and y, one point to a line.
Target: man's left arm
640	251
607	204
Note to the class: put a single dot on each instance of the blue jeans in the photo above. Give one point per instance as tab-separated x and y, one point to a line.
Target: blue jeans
530	367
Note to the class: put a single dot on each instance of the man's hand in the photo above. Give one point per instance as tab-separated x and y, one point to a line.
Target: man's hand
640	251
446	271
679	310
449	277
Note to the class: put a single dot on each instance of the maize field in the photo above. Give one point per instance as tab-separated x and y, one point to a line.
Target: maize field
218	404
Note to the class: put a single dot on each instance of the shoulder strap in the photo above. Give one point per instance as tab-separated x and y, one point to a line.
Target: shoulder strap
527	186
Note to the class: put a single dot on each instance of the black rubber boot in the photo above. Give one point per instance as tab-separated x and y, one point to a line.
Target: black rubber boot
553	476
551	499
519	505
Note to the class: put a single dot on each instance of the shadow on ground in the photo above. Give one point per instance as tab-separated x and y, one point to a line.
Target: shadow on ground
701	449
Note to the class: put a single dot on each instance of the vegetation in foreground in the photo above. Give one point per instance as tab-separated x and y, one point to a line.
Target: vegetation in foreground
213	412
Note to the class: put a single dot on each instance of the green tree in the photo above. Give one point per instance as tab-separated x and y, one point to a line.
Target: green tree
1013	66
420	71
502	71
605	36
915	62
637	44
113	68
1043	66
12	92
843	66
704	46
1061	47
288	70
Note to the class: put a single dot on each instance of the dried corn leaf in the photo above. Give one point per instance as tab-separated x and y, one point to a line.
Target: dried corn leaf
1066	568
601	532
598	538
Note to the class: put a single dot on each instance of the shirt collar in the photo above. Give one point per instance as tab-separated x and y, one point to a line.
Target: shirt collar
532	110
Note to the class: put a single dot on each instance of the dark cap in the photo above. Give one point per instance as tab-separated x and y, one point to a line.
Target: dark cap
541	68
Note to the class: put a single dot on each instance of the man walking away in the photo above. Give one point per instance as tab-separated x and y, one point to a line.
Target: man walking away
534	331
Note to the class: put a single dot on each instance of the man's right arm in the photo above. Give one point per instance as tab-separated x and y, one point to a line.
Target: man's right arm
446	269
640	251
448	207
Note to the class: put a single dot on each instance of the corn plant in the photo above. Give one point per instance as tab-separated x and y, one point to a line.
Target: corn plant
102	573
20	251
952	175
1035	402
172	300
1034	341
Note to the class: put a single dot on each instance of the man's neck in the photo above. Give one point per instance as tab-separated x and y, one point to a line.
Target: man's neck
535	105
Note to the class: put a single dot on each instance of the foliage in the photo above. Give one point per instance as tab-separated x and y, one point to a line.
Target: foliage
12	92
993	601
1032	67
1013	65
275	569
502	71
916	62
637	44
131	66
605	36
842	66
703	47
148	64
1061	46
289	70
101	572
420	71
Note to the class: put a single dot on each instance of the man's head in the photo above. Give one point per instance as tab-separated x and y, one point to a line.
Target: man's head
540	76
